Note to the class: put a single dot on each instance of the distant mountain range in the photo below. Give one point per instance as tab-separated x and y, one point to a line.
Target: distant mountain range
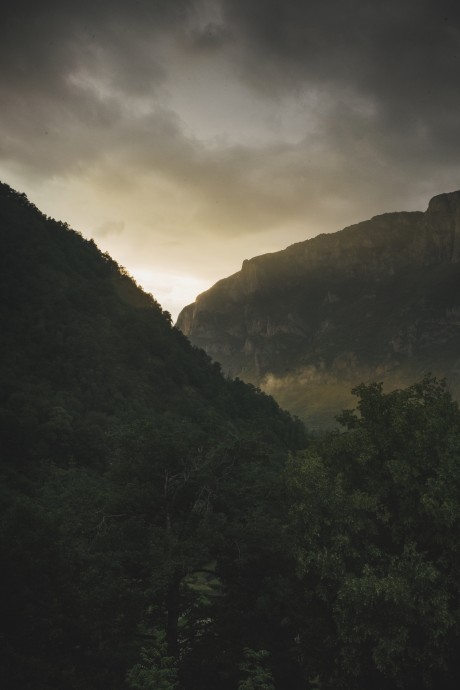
379	300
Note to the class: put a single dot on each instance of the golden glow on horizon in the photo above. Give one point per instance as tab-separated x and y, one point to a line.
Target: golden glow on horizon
173	291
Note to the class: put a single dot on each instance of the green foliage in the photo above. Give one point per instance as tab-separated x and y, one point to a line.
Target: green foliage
376	510
256	674
157	670
128	461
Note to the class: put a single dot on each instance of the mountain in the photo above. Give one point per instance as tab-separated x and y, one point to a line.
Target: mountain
128	465
379	300
162	526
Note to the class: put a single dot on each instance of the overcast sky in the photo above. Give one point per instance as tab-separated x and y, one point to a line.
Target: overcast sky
187	135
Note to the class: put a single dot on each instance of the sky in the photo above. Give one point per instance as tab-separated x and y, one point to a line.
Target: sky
185	136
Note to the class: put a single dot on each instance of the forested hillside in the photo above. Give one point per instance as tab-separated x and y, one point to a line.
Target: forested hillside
129	465
163	528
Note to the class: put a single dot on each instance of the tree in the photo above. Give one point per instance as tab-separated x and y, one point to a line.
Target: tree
376	512
254	668
156	670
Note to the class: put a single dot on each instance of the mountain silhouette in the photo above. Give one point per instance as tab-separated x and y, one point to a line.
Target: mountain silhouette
377	301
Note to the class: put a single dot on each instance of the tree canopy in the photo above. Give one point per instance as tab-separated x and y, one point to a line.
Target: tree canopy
376	511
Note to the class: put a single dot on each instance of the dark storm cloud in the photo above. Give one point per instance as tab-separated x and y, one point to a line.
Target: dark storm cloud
85	84
63	63
402	55
377	45
45	39
210	38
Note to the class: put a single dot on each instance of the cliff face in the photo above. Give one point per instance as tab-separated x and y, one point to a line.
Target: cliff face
377	300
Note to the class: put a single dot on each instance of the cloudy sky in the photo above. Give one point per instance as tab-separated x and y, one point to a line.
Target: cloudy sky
187	135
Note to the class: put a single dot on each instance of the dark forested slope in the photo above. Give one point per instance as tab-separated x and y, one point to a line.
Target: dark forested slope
127	460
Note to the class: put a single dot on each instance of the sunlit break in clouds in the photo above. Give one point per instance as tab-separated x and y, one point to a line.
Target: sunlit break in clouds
187	136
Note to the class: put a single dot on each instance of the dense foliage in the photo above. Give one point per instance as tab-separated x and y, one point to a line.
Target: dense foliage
156	535
376	517
130	470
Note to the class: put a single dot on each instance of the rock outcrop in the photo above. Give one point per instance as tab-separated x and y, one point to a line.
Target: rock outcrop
377	300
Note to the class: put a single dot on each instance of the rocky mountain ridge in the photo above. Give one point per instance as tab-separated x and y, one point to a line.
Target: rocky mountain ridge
377	300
